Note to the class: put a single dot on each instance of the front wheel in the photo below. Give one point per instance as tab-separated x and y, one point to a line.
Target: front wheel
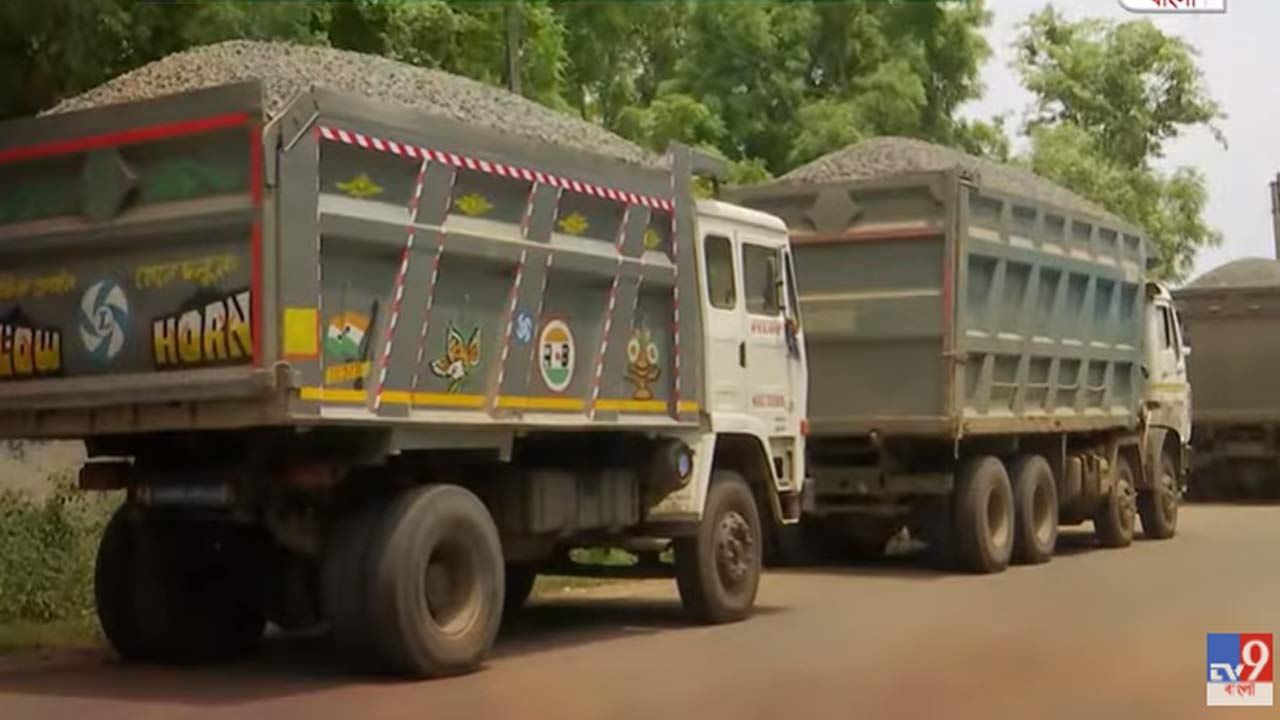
1114	521
1158	507
718	569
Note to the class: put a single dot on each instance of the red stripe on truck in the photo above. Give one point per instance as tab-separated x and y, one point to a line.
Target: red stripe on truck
162	131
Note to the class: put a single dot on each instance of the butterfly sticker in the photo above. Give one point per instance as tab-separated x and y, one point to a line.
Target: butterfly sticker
459	359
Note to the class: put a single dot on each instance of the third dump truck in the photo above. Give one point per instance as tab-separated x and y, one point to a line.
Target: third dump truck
985	366
1233	318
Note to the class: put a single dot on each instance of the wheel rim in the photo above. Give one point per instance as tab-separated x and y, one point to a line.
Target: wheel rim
451	587
999	528
735	546
1042	513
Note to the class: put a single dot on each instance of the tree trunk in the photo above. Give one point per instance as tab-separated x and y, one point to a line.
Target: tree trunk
515	22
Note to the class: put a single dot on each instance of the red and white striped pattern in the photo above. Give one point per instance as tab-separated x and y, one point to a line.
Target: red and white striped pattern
537	317
431	284
321	326
608	312
492	168
511	321
515	291
675	306
398	290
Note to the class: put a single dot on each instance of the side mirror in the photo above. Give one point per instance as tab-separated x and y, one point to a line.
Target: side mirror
1186	351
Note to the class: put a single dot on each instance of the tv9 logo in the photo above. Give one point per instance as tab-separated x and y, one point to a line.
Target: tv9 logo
1240	669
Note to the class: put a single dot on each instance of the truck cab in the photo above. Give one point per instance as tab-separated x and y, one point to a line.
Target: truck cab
1167	399
756	374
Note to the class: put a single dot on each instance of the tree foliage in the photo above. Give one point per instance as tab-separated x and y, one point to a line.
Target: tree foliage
1109	97
768	86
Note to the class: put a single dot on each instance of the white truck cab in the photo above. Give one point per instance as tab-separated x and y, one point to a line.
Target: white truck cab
756	378
1167	400
1168	394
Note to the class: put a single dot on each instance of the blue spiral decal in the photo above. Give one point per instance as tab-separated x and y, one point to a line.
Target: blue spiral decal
104	320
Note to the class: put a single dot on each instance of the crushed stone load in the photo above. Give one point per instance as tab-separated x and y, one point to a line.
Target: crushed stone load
1242	273
885	157
286	69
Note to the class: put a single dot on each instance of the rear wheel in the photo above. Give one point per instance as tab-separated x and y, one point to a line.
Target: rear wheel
1158	507
345	580
113	587
718	569
1035	508
436	596
195	590
520	578
983	516
1115	520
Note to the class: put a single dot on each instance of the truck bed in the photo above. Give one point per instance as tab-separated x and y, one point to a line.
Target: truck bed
1234	334
187	262
931	306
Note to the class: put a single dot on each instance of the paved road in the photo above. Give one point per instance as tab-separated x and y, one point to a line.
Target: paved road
1095	634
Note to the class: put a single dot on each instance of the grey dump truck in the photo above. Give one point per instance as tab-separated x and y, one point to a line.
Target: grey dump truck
359	365
985	365
1232	316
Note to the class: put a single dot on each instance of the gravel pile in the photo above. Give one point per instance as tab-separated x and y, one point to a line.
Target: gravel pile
1245	272
285	69
889	156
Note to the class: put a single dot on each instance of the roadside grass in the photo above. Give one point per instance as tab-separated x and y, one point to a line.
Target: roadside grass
47	550
20	636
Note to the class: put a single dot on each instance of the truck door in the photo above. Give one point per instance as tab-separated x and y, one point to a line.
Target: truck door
768	373
1167	368
798	376
726	361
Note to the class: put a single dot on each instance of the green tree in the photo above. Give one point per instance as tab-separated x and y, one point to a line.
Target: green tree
766	85
54	48
1109	97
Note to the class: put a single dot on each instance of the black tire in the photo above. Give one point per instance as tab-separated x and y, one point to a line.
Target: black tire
436	596
1114	522
1035	510
983	516
113	582
1158	507
519	586
718	569
198	591
344	582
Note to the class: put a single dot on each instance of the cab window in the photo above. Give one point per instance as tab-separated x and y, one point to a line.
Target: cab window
760	278
718	260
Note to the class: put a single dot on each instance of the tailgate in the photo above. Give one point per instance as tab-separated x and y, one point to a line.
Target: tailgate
130	252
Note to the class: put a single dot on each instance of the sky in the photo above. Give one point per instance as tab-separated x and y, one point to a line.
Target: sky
1237	50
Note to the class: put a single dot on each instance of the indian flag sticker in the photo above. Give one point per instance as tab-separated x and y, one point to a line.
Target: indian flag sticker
346	336
556	355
